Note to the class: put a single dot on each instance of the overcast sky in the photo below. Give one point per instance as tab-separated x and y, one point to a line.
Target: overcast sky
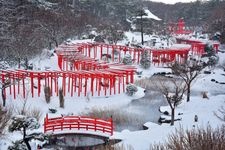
172	1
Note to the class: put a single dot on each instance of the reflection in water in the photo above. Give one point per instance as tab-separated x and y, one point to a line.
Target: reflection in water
67	142
144	109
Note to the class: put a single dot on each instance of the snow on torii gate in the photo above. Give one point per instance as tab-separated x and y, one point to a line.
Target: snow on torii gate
198	47
95	51
87	74
105	81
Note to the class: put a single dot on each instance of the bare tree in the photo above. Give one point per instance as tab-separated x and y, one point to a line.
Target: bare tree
221	113
3	85
173	90
188	71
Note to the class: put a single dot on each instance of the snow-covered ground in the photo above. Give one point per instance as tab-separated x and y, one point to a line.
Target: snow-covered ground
142	139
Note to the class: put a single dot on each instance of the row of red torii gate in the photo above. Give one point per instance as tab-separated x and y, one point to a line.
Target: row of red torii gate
91	69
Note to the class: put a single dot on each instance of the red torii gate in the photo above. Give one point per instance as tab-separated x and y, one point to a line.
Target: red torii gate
95	51
78	82
87	73
198	47
179	27
168	56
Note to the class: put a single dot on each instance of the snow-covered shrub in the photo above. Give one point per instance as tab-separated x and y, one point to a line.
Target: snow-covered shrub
205	95
127	60
145	59
122	119
29	111
213	60
36	113
18	145
61	98
115	147
197	138
131	89
47	92
5	116
209	50
52	110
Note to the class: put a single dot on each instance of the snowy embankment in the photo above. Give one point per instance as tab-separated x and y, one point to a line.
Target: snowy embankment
205	109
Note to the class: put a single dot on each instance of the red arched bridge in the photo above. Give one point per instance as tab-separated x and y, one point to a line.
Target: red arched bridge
78	124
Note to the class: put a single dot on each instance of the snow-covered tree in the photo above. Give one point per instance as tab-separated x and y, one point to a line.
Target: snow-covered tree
173	90
188	71
3	85
131	89
145	59
127	60
113	33
24	123
209	50
213	60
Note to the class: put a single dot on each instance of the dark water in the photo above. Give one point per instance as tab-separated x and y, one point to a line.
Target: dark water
78	142
146	108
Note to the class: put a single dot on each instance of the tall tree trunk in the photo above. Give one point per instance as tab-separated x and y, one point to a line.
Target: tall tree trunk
26	141
19	61
142	34
56	42
3	97
172	116
188	91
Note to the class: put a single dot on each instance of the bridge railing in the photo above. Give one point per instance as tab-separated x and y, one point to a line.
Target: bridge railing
78	123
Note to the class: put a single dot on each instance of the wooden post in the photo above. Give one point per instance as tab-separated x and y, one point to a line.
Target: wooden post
113	53
111	121
92	86
89	51
39	84
18	84
23	77
119	85
14	87
95	124
45	123
123	83
51	84
78	123
69	78
132	76
85	87
101	52
138	61
99	86
64	83
32	83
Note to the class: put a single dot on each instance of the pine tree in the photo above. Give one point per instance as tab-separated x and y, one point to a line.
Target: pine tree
127	60
131	89
24	123
145	59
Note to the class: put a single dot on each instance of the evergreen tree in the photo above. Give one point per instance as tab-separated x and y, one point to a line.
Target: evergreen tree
131	89
127	60
145	59
24	123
